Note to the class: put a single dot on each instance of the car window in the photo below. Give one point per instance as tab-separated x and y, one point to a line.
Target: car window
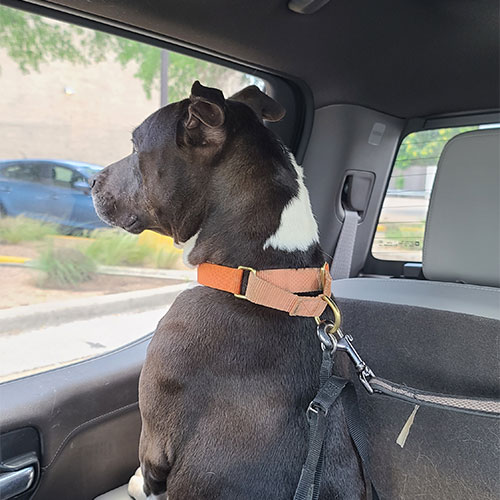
71	97
62	176
23	172
401	226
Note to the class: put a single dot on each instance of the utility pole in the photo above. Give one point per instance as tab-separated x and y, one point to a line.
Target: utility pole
164	77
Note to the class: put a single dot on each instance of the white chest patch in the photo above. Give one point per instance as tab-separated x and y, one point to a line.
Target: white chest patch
188	246
298	228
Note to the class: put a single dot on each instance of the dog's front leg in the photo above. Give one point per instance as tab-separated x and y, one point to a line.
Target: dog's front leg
137	489
150	480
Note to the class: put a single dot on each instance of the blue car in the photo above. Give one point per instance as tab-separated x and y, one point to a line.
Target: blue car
51	190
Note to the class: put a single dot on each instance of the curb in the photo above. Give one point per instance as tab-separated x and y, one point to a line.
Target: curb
36	316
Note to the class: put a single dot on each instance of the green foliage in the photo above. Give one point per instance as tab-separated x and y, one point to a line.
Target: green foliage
404	230
164	258
424	148
116	248
184	70
63	267
17	229
32	40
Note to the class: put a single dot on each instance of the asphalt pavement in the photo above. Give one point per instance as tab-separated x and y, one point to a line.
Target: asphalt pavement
42	349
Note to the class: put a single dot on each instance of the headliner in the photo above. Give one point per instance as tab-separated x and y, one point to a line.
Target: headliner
403	57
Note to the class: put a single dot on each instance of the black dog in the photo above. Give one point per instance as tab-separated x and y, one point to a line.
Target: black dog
226	383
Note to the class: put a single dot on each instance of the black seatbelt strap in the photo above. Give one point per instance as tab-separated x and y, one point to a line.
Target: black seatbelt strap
331	388
310	477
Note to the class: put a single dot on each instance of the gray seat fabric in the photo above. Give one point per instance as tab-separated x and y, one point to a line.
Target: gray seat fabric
461	240
453	297
116	494
439	336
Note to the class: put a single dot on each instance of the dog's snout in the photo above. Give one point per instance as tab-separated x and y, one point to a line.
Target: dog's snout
93	180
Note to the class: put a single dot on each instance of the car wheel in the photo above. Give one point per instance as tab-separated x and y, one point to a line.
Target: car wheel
3	212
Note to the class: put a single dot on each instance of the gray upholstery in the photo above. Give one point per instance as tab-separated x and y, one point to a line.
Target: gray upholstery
116	494
447	455
462	236
454	297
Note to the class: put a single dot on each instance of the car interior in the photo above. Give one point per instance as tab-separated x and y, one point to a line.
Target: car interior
357	80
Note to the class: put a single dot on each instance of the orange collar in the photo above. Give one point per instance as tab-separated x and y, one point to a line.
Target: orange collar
274	288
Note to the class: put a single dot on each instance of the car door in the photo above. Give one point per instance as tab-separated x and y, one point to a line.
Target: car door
84	215
21	190
58	193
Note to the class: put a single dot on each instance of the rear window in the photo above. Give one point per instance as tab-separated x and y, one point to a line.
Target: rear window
401	226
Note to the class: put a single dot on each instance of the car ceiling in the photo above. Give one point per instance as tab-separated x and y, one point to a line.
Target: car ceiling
403	57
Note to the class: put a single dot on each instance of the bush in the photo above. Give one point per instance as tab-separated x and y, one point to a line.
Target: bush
164	258
116	248
63	267
17	229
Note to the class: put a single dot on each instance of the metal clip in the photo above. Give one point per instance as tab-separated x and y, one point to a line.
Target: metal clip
326	335
364	372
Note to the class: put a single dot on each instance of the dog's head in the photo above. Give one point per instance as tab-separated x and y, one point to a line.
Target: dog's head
203	161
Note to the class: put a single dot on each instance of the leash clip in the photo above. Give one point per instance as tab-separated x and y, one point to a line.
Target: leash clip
326	333
365	373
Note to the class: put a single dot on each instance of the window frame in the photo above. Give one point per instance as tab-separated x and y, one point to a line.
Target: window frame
379	267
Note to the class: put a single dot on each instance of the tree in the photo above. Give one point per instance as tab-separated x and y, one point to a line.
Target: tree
424	148
33	41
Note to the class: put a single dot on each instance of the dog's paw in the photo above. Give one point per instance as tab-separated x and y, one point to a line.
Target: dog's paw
136	486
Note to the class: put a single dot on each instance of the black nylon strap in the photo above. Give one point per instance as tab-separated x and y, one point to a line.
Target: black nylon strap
324	374
331	387
317	416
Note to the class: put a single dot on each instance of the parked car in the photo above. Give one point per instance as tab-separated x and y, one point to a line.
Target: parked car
52	190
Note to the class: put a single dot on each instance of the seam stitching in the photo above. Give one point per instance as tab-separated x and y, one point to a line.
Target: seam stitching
84	424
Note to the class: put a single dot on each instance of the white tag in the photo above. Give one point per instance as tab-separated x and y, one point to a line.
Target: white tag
403	435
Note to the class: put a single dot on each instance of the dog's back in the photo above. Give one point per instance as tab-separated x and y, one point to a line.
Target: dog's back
225	387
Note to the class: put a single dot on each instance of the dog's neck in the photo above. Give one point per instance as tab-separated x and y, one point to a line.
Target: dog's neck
277	229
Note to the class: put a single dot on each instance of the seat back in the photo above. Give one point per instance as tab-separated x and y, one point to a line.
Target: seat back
439	335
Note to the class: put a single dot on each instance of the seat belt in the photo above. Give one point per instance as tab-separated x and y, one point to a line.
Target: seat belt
331	388
342	259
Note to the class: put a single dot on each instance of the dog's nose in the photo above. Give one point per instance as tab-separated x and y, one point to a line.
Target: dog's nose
92	180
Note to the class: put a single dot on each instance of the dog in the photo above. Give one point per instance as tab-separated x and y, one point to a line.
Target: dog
226	382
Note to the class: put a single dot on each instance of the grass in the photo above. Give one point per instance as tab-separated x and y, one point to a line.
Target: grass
164	258
405	230
63	267
117	248
15	230
65	264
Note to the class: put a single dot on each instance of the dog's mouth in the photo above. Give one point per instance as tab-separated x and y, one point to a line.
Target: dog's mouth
133	225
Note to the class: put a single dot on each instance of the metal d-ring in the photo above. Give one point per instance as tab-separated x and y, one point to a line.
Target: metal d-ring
337	316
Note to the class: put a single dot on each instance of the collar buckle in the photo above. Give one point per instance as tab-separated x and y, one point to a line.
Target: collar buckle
245	268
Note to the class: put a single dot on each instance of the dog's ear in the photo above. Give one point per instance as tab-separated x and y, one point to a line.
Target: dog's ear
264	106
206	107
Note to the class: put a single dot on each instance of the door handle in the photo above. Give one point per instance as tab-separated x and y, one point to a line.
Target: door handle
14	483
18	475
5	189
55	197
